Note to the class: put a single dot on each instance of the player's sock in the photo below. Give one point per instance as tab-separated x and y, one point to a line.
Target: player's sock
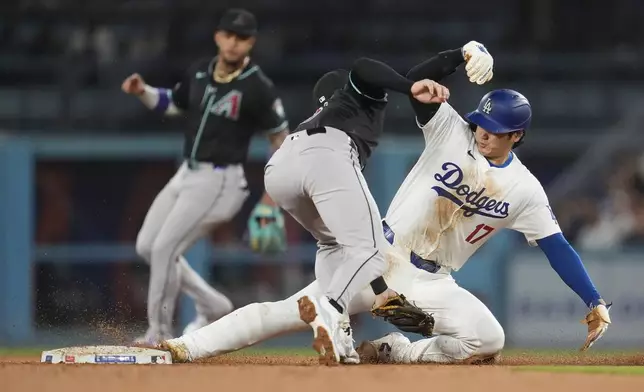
208	301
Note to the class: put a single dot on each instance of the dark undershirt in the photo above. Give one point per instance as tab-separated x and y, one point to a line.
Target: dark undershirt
372	78
436	68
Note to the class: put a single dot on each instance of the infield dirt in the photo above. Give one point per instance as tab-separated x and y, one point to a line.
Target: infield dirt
302	373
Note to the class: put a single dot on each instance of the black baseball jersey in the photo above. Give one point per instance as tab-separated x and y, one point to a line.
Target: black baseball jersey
223	117
348	110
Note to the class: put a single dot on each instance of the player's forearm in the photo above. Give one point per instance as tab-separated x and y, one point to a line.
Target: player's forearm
371	77
568	265
438	67
159	100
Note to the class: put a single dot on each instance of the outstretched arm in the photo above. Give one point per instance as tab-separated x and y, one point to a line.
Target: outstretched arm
540	227
436	68
371	78
161	100
479	70
568	265
566	262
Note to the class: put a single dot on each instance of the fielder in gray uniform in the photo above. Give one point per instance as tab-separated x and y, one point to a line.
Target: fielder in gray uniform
228	99
316	176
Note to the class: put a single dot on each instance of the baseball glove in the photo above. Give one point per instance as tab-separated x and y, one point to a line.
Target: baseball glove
405	316
597	320
266	229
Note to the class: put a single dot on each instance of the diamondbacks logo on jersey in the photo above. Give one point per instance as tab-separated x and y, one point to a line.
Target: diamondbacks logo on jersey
475	202
228	105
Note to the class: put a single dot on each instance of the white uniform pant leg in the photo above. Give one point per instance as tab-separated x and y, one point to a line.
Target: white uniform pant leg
209	302
257	322
465	327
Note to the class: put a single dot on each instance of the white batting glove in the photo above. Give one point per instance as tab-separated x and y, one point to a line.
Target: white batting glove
479	61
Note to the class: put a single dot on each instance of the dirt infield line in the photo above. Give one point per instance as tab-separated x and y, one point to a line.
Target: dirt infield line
514	359
197	377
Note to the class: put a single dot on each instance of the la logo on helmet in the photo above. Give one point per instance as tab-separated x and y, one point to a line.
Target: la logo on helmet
487	108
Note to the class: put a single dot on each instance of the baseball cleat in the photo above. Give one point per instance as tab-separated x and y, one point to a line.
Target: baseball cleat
177	350
332	337
348	353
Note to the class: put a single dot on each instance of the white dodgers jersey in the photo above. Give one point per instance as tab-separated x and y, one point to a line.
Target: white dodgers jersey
454	199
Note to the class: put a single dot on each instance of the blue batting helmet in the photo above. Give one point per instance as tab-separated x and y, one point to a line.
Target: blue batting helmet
502	111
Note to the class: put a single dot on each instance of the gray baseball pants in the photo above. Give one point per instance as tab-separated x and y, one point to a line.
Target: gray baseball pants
316	178
193	202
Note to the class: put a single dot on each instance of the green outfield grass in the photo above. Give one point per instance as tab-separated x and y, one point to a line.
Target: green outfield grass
513	352
634	370
9	352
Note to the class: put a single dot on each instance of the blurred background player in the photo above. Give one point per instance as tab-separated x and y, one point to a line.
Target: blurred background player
227	100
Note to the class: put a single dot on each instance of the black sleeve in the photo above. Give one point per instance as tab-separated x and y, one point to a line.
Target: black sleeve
181	94
181	91
436	68
371	78
271	116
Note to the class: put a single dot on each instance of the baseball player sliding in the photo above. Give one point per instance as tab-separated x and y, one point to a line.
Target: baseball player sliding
466	186
227	99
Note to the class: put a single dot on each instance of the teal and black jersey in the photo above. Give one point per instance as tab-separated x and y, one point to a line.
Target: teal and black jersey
223	117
